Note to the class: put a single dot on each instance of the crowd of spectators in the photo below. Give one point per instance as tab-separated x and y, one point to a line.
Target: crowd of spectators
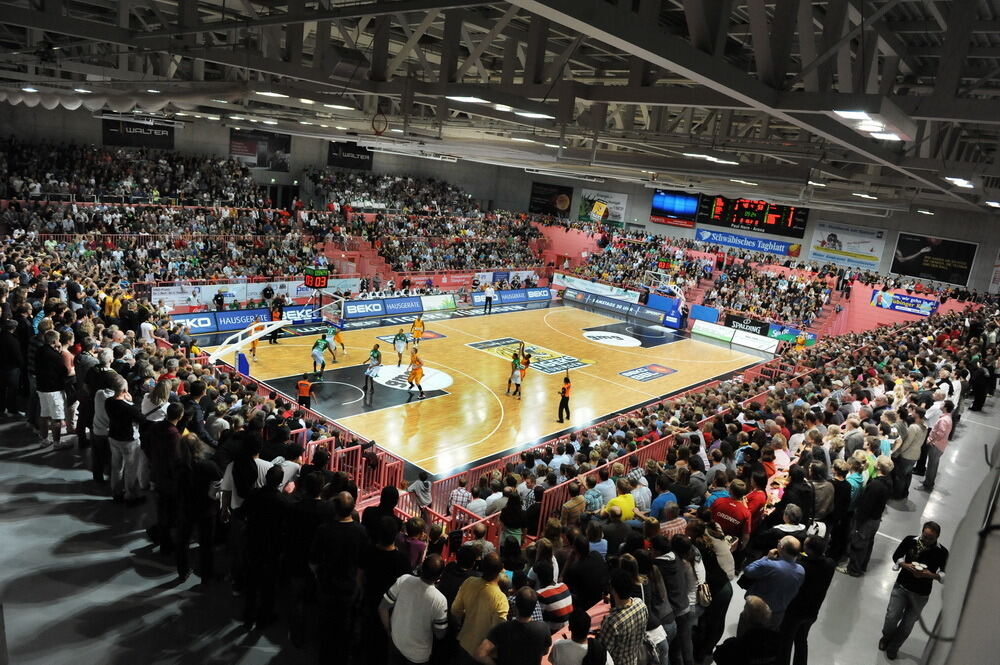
42	170
343	192
791	299
146	244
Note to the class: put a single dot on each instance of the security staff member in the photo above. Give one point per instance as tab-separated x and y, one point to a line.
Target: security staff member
564	398
277	313
305	387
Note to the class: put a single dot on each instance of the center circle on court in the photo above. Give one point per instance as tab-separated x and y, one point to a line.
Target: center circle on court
391	376
611	338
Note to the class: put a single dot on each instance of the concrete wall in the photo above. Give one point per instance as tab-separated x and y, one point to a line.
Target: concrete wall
507	188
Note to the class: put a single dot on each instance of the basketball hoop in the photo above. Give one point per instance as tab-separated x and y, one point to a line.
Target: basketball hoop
380	123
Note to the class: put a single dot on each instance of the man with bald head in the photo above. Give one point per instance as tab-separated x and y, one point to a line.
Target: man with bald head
338	547
775	578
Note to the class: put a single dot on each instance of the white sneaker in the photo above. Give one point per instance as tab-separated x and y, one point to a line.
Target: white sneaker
63	444
44	443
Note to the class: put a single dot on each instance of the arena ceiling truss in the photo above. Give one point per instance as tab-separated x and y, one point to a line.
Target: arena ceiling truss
720	95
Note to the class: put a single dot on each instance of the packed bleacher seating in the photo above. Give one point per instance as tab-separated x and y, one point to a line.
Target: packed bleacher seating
791	299
661	509
342	192
42	171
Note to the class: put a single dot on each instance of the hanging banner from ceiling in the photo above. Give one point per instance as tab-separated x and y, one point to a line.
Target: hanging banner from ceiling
939	259
348	155
136	134
260	150
549	199
851	246
600	206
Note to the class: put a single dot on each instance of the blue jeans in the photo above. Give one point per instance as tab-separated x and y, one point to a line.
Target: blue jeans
900	617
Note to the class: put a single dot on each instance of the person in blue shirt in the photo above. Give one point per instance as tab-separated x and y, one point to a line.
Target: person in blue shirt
775	579
663	497
720	488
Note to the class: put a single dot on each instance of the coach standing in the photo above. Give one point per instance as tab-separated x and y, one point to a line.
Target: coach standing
490	294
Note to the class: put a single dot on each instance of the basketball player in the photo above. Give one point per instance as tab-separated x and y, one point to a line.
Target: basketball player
525	364
417	330
416	374
515	371
564	392
319	346
305	388
254	329
338	338
372	364
399	343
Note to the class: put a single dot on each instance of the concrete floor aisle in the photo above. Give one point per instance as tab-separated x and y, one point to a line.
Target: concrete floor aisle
80	585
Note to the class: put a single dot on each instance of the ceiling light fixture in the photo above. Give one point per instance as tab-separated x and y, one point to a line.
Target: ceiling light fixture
993	204
924	211
854	115
862	195
339	107
816	184
711	158
181	115
394	130
520	139
82	91
28	88
236	117
743	182
886	136
560	174
304	122
267	93
535	116
343	129
467	99
960	182
153	91
219	101
551	145
870	126
270	122
306	101
503	108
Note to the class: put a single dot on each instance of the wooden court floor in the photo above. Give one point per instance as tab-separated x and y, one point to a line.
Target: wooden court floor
471	417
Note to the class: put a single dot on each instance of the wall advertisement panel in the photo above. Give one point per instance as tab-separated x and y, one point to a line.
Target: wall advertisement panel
901	302
746	242
851	246
713	331
260	150
550	199
938	259
612	210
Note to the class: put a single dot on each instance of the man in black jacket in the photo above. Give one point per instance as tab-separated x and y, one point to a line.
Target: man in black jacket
804	608
921	560
192	403
867	518
11	362
587	577
123	436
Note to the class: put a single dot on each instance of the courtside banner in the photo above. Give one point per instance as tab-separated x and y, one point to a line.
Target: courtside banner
402	305
538	295
359	309
562	279
703	313
753	341
670	308
238	319
200	322
517	295
299	314
900	302
615	305
746	324
791	335
713	330
437	303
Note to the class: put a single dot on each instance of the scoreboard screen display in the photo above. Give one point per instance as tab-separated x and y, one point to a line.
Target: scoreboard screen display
674	208
753	215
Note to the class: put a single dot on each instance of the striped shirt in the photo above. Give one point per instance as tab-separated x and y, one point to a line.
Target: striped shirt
557	604
675	526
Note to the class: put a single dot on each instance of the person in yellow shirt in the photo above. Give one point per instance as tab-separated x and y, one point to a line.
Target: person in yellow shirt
480	605
256	328
625	501
417	330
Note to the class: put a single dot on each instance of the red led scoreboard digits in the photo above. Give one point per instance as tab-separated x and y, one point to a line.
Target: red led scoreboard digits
753	215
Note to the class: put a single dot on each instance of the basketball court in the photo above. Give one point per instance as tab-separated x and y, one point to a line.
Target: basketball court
466	415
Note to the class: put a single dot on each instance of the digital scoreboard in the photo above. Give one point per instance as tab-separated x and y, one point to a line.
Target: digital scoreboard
753	215
674	208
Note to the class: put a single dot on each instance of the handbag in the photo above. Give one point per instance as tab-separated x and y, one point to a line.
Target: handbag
703	595
815	527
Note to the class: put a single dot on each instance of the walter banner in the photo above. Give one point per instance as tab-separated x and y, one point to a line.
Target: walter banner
900	302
